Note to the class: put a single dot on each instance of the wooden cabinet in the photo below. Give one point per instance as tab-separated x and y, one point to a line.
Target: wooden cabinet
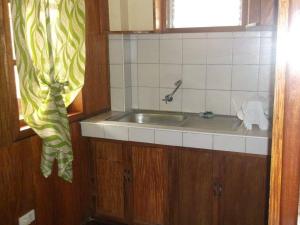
150	185
131	15
109	172
154	185
242	188
195	187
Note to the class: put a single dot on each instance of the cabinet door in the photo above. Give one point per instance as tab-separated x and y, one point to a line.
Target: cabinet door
150	185
131	15
195	187
109	167
243	190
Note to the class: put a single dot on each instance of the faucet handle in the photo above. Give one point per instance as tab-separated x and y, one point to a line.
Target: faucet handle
178	83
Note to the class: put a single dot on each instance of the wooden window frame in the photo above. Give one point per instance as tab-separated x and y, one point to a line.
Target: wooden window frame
21	130
164	20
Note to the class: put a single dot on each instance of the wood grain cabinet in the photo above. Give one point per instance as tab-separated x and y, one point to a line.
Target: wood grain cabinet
150	185
195	187
154	185
109	175
131	15
242	179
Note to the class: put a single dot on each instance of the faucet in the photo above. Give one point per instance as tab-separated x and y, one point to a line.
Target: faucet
169	97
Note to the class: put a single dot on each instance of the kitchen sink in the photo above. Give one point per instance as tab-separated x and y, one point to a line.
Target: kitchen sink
159	118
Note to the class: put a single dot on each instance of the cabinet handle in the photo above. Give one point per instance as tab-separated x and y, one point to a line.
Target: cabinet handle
218	189
127	175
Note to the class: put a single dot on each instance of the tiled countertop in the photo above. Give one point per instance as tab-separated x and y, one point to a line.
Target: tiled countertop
218	134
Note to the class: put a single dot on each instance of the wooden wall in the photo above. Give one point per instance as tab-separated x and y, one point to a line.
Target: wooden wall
22	187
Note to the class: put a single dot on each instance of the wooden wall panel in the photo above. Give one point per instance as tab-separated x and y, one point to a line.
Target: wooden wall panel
9	105
16	182
268	12
97	72
24	188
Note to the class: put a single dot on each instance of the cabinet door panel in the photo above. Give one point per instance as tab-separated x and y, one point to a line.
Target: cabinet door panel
150	179
109	172
243	199
110	188
195	187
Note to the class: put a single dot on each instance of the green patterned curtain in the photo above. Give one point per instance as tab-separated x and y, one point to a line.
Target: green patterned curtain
49	38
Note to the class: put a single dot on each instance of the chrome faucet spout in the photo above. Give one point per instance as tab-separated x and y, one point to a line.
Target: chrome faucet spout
169	97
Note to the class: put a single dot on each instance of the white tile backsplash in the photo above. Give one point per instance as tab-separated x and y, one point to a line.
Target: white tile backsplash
171	51
218	77
245	77
169	74
193	100
217	69
148	75
194	51
267	51
116	76
175	105
266	78
194	76
148	51
116	51
219	51
148	98
117	99
218	102
246	50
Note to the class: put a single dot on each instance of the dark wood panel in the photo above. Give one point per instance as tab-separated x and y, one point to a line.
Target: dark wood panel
16	179
243	196
73	201
109	172
110	188
9	120
268	12
24	188
150	185
291	141
254	11
96	93
108	150
195	187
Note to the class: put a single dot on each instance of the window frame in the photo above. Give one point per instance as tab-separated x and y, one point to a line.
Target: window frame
165	18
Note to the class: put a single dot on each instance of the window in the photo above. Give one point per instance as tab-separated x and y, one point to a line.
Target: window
204	13
76	107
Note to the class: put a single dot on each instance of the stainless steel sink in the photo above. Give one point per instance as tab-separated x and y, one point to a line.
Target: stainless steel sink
160	118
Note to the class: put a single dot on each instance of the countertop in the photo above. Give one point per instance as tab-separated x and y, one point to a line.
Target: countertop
225	133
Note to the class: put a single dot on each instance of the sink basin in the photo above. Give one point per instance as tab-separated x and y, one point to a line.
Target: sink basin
159	118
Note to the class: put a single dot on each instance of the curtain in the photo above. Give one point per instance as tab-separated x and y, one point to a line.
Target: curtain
49	37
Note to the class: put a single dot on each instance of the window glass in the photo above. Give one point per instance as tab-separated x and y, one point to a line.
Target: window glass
204	13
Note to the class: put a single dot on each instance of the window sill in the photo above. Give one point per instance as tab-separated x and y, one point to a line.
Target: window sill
25	131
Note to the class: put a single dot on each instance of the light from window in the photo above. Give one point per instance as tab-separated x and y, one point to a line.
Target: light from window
204	13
